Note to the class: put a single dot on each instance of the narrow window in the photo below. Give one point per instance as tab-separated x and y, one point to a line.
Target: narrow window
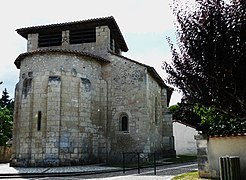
156	111
39	120
124	123
49	39
27	86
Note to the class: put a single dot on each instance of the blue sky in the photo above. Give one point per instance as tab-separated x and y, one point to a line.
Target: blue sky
143	23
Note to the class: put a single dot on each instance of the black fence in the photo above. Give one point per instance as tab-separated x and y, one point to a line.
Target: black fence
137	160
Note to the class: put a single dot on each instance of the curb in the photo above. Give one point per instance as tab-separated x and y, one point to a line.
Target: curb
36	175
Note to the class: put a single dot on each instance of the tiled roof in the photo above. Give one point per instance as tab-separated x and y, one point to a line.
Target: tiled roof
109	21
184	123
45	51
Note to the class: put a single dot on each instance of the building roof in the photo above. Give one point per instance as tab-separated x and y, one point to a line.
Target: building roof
184	123
108	21
45	51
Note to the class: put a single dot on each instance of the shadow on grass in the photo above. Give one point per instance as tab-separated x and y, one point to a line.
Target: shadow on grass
160	162
181	159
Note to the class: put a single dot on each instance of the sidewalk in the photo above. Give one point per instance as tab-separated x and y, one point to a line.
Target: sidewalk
6	171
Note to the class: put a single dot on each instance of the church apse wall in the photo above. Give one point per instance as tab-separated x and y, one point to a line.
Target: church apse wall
60	113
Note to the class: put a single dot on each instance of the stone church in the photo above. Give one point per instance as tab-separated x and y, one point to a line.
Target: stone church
80	101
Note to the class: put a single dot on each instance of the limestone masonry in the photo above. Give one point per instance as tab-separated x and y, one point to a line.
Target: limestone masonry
79	101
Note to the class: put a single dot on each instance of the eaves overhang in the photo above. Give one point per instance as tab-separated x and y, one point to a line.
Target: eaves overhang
60	51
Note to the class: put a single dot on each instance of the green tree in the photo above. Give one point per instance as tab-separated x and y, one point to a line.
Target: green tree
215	123
5	101
6	117
6	124
209	67
184	111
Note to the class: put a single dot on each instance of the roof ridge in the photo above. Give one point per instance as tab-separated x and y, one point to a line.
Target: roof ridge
23	55
64	23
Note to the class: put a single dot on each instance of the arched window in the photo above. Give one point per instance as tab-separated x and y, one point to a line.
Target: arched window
124	123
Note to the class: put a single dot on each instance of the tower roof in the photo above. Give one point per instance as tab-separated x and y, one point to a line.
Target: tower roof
108	21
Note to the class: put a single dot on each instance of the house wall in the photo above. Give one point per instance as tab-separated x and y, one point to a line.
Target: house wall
211	148
185	143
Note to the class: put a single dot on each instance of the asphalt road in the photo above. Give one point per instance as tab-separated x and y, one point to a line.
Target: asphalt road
162	173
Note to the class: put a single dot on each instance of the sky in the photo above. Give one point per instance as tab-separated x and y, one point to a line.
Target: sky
145	24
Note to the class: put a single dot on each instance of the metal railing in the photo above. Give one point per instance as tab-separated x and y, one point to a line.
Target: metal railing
137	160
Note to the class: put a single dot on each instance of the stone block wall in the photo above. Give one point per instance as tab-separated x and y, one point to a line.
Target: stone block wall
5	154
128	96
60	111
202	156
100	47
136	93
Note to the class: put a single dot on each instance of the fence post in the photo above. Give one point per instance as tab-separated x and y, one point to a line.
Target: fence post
154	164
124	170
138	163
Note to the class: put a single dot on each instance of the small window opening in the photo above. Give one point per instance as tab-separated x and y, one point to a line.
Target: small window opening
39	120
117	49
124	123
113	45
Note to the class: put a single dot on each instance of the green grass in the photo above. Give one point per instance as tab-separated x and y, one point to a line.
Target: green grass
182	159
193	175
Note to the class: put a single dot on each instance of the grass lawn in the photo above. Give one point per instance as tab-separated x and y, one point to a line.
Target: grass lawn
193	175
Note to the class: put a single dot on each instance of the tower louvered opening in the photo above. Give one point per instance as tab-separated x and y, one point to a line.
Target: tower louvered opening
49	39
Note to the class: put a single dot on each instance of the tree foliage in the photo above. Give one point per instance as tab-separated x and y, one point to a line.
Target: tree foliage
184	111
215	123
6	124
5	101
210	66
6	117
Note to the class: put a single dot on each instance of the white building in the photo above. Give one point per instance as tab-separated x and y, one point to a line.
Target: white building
185	143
